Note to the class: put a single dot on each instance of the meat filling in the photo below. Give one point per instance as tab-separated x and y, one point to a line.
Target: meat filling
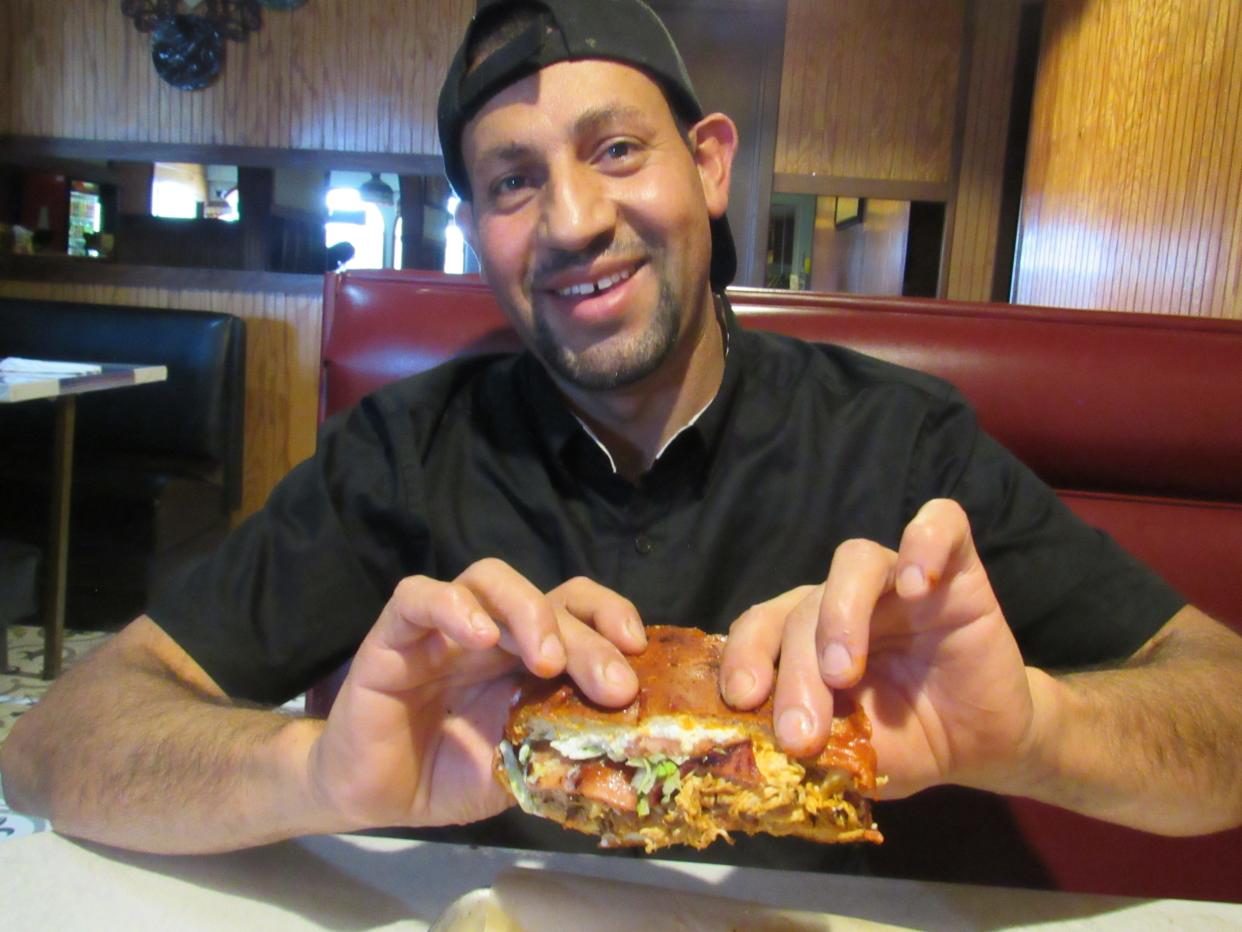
658	800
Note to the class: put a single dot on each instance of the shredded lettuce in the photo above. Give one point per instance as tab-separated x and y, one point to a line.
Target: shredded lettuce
648	771
672	783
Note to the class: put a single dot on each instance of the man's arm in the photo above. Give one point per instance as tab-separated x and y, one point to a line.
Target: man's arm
1153	744
137	747
918	637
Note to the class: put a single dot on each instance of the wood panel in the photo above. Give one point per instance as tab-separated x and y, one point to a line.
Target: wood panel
282	365
350	75
1134	169
972	239
869	88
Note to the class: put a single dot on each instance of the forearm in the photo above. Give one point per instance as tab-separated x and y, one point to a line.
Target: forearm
124	752
1153	744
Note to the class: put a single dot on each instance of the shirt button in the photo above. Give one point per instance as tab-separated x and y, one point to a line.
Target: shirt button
643	544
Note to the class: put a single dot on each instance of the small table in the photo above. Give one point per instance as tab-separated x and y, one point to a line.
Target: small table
64	389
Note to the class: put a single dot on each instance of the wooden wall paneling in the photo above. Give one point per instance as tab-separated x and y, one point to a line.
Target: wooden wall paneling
1134	171
282	365
350	75
972	237
869	88
8	28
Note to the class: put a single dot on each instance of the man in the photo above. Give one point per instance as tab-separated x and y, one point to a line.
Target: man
645	461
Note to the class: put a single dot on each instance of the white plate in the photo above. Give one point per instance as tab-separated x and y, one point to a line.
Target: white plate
547	901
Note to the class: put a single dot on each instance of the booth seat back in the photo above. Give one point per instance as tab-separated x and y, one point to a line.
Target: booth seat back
1135	419
157	467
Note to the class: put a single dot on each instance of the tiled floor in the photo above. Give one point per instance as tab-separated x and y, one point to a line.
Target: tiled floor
22	688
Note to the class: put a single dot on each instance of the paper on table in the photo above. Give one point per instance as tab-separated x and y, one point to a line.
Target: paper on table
528	901
47	367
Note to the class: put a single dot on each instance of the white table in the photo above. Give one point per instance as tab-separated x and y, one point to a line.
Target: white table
346	882
64	389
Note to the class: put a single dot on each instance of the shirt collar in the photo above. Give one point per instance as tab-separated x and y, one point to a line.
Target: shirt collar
559	427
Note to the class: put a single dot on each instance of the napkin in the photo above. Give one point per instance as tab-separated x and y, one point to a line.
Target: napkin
48	367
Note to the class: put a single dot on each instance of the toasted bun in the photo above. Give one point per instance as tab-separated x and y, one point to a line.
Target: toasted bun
679	710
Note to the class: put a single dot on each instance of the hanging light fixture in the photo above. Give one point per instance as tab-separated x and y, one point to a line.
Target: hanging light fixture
376	191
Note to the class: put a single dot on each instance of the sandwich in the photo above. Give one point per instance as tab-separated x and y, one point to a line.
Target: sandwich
679	766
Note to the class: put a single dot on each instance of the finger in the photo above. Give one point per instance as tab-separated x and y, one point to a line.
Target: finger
595	664
421	605
861	572
802	703
748	664
525	616
609	613
936	542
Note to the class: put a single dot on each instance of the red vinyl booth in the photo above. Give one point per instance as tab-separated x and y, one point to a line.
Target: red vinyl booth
1135	419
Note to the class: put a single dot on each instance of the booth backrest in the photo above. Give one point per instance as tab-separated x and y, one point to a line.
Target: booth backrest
1135	419
195	417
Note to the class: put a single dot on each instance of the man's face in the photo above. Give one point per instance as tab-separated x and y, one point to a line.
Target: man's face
590	217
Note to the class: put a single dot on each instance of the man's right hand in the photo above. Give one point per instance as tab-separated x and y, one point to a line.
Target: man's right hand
410	737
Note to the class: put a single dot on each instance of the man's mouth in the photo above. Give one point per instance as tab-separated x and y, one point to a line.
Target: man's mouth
587	289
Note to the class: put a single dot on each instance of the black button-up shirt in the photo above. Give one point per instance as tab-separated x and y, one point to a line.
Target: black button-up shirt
803	447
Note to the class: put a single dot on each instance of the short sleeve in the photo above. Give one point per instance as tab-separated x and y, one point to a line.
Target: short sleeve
1073	597
292	591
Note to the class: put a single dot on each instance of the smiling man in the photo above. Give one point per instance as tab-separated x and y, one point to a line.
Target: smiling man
645	461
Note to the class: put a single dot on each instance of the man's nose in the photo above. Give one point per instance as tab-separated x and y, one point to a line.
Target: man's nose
577	210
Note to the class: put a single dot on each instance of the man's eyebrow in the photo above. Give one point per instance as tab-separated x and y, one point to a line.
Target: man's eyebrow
504	152
597	119
589	122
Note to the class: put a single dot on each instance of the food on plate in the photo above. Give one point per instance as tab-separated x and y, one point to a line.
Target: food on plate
679	766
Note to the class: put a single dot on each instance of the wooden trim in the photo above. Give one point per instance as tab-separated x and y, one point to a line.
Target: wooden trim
65	270
965	63
753	243
883	188
26	149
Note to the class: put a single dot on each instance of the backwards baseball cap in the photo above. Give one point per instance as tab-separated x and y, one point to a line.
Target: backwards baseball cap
625	31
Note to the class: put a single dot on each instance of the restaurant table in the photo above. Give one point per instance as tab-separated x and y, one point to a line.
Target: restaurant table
63	389
369	882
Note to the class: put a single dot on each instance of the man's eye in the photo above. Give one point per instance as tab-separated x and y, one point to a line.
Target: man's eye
619	150
509	184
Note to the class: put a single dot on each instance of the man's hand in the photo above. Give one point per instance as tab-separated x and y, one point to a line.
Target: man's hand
916	636
410	737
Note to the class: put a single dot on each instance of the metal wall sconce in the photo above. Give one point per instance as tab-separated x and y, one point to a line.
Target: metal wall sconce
187	48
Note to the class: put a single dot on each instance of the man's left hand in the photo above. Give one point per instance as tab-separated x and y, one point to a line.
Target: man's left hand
916	636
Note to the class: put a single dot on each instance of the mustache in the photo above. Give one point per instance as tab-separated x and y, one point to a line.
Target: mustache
557	261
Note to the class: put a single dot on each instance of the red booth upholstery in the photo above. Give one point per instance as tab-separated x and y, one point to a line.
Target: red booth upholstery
1135	419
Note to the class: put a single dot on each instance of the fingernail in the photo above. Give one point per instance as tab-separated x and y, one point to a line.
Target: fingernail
911	581
617	673
739	686
551	649
794	725
634	628
836	660
480	623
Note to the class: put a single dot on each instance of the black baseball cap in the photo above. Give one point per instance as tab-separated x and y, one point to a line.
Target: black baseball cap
626	31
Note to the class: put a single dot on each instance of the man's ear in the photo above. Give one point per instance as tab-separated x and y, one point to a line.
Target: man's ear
713	141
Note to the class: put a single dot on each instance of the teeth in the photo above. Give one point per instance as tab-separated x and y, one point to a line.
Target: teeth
586	288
